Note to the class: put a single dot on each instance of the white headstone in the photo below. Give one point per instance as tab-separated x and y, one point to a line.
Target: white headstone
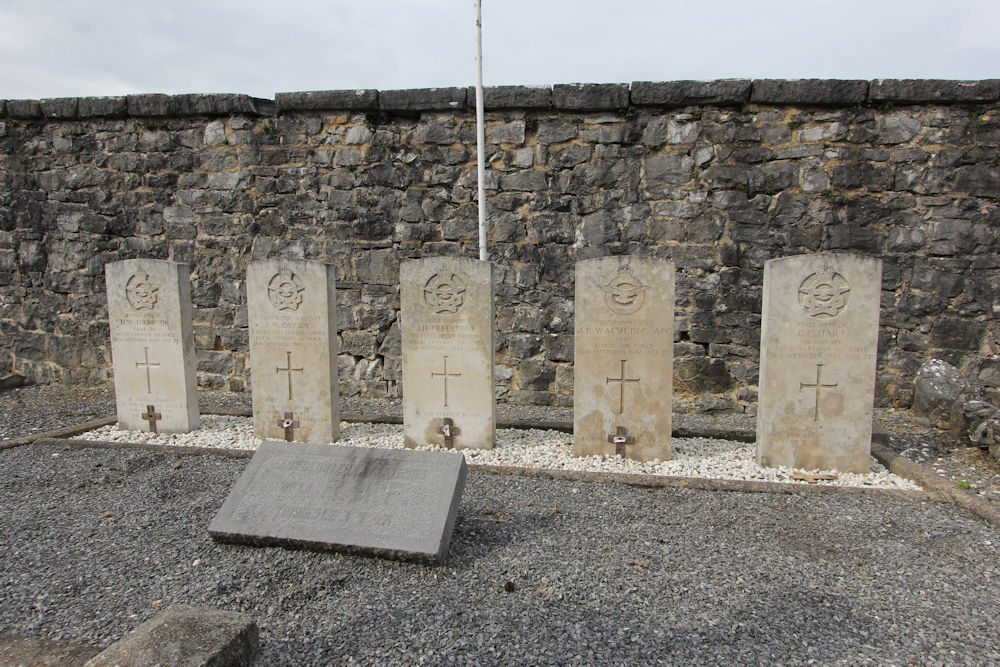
447	338
817	362
291	307
624	342
152	345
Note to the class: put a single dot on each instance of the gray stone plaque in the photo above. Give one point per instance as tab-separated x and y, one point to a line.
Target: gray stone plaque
152	345
447	337
817	361
293	350
384	502
624	341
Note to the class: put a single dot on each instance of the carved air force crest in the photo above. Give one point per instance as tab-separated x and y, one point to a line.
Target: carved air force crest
824	294
285	290
624	294
141	291
444	293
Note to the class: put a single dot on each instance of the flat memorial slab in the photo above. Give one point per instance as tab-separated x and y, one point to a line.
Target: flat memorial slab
390	503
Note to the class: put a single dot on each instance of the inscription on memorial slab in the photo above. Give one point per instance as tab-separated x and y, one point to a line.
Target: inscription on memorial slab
817	364
392	503
291	306
152	345
624	338
447	337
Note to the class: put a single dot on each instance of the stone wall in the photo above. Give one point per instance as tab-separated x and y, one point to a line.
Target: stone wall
717	176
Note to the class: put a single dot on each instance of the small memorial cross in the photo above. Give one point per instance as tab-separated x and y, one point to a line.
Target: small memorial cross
289	423
152	416
621	439
449	431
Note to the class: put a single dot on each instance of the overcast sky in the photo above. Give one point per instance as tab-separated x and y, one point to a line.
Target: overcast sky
62	48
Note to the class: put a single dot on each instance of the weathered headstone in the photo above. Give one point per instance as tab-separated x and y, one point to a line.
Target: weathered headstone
817	362
623	376
385	502
152	345
447	338
291	308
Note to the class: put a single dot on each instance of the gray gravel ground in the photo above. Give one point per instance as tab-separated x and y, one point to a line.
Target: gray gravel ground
95	541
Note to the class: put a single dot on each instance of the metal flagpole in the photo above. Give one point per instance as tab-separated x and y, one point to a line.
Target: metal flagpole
480	132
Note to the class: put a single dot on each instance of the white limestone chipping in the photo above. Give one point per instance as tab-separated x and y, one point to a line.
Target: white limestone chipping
528	448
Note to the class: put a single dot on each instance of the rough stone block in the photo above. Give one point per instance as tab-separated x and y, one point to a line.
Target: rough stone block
913	91
423	99
60	107
590	96
809	91
364	99
103	107
185	635
722	92
389	503
26	109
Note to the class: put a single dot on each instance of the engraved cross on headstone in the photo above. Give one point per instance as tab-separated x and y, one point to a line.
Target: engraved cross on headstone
818	386
289	423
147	364
621	439
621	386
288	369
449	431
152	416
445	374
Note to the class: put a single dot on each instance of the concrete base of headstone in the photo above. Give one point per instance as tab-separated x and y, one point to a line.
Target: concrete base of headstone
817	370
623	360
390	503
184	635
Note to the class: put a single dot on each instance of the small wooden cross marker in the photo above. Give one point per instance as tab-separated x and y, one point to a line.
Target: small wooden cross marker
152	416
289	423
449	431
621	439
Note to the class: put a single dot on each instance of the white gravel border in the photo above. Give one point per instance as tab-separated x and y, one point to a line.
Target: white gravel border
528	448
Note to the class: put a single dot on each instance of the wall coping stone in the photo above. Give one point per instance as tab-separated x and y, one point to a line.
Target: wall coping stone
103	107
568	97
364	99
809	91
27	109
590	96
424	99
688	93
513	97
60	107
934	90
